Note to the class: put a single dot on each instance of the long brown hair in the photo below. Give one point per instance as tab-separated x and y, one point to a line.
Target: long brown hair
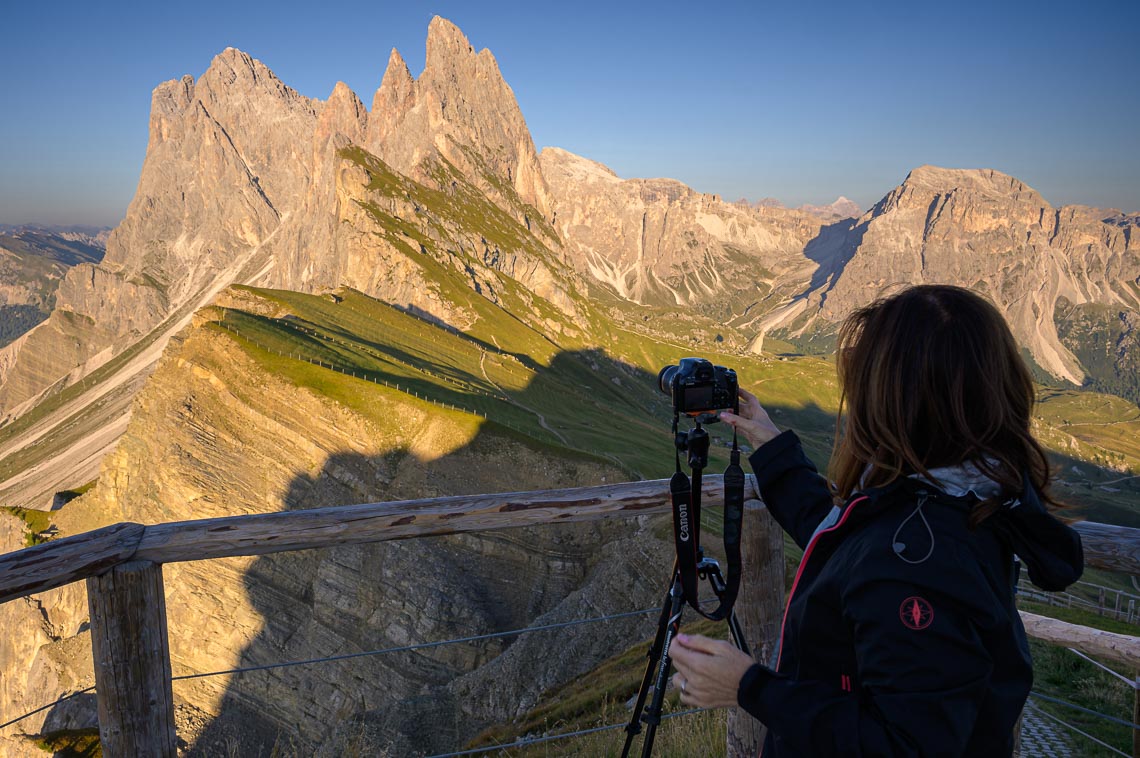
930	377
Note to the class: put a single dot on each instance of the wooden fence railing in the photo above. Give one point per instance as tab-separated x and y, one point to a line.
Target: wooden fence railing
122	565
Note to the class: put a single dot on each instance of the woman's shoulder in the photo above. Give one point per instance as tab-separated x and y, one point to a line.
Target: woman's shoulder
914	536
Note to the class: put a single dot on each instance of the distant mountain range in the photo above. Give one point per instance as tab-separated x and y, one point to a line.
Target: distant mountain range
97	233
841	208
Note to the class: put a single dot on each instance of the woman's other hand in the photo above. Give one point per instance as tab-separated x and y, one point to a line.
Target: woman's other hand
708	671
752	422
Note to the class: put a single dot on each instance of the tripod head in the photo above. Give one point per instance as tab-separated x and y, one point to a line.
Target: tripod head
695	441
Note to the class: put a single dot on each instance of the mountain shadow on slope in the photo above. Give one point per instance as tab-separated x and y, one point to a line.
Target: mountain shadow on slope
358	598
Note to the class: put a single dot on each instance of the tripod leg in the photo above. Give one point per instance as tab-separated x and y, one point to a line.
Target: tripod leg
634	727
672	626
737	633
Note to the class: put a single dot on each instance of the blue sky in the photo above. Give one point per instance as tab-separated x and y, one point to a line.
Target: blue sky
798	101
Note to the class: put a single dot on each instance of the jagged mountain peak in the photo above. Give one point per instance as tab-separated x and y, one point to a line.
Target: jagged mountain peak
233	68
462	110
395	88
342	97
988	231
449	53
343	112
445	39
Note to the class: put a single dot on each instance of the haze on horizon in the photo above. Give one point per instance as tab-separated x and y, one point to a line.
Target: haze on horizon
744	100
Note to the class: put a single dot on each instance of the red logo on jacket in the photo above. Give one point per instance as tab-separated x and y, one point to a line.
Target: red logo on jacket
916	613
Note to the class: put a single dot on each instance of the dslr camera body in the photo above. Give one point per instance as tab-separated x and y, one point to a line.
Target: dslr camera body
697	386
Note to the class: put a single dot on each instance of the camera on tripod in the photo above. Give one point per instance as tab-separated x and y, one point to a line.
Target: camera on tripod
699	387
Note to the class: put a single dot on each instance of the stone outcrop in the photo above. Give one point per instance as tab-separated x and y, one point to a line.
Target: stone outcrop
45	652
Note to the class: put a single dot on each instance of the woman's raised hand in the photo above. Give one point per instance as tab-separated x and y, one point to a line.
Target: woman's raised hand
752	422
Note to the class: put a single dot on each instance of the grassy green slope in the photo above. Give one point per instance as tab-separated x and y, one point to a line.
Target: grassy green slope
604	402
516	379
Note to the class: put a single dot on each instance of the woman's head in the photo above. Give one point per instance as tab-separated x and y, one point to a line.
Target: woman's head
930	377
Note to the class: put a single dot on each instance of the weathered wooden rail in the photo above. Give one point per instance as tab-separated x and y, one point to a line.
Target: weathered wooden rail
122	565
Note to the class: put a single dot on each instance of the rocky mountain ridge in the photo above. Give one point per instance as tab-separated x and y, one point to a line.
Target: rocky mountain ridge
656	241
984	230
773	272
240	166
245	179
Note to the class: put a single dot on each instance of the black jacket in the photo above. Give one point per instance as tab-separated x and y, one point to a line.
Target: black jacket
900	636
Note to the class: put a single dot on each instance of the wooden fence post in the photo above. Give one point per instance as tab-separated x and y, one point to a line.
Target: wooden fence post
132	661
760	610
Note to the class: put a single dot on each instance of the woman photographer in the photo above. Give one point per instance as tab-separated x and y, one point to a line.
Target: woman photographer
900	635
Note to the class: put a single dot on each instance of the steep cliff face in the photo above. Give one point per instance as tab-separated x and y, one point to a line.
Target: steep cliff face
657	241
226	160
444	166
216	433
45	652
984	230
423	246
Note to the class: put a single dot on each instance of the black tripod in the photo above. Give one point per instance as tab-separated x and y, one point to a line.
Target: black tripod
657	669
696	442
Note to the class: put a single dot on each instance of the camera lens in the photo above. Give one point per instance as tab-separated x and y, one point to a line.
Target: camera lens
665	379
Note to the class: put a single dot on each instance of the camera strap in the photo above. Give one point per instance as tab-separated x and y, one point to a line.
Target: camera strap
686	496
733	519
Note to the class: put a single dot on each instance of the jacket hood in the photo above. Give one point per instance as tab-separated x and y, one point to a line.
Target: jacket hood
1050	549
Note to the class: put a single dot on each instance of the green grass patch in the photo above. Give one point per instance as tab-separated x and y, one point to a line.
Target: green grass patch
36	522
1061	674
71	743
599	698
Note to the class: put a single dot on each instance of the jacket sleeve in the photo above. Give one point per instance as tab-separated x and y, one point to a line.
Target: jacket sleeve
918	688
791	487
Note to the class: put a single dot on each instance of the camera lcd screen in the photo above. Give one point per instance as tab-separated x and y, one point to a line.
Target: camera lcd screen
699	398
